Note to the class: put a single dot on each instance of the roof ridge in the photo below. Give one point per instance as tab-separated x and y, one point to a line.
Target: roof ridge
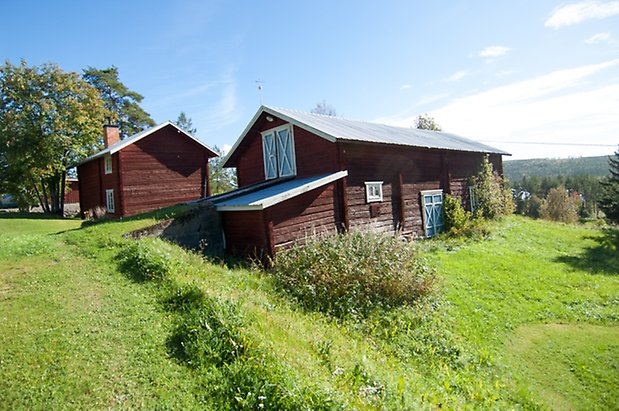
326	116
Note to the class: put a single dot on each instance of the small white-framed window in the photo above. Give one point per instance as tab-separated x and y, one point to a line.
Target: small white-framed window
107	162
109	200
373	191
278	152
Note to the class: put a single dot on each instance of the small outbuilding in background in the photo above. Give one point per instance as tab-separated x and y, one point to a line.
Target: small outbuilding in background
155	168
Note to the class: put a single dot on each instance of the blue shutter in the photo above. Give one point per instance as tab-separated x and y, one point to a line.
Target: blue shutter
433	213
269	152
285	153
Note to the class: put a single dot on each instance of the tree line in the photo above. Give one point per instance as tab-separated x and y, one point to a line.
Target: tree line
567	198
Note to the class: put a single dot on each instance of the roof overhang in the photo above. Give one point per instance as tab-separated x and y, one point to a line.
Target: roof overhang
114	148
275	194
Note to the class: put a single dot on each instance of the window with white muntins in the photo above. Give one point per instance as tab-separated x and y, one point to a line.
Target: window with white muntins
373	191
109	200
278	152
108	164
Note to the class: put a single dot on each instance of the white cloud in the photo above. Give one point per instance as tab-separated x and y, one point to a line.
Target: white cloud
494	51
225	149
224	112
405	87
598	38
547	108
575	13
458	75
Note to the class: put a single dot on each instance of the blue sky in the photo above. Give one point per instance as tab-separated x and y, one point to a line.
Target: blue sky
506	73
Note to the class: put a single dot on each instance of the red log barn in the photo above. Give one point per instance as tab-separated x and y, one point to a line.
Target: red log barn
302	173
155	168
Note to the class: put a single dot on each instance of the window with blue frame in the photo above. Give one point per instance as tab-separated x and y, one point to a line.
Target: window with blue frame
278	152
432	204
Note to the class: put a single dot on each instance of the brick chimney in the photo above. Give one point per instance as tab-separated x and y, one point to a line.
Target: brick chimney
111	135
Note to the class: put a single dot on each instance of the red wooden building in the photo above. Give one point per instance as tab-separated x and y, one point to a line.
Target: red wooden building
155	168
72	195
301	173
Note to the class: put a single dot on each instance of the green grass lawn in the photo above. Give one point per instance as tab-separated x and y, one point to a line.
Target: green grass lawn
527	318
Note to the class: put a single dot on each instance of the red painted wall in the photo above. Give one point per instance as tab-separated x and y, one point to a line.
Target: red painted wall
245	232
162	169
421	169
89	185
72	196
314	212
308	214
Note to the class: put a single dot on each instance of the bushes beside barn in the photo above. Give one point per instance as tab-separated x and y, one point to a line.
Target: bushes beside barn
352	275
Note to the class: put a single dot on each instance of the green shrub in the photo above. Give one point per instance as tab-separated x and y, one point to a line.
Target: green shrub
494	198
351	275
534	206
560	206
455	218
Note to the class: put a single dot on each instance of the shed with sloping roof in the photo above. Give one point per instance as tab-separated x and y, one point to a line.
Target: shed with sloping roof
302	173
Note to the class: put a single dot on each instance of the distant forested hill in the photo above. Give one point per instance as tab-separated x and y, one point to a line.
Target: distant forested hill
593	166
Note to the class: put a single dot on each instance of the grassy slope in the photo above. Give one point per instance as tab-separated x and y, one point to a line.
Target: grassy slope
529	277
76	332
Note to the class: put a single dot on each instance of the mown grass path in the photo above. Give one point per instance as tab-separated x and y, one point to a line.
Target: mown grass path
76	334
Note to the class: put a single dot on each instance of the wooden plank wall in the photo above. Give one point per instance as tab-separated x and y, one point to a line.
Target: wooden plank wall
72	196
89	185
163	169
421	169
244	232
312	213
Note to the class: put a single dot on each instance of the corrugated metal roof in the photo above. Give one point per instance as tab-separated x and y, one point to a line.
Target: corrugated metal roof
352	130
138	136
271	195
341	129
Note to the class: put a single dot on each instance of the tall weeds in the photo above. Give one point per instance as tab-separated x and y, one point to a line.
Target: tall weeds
351	275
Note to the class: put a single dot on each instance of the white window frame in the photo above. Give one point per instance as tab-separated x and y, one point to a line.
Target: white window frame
280	156
374	191
432	193
109	201
107	164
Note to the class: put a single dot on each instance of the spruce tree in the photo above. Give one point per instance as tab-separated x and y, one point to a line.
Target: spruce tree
123	104
609	201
